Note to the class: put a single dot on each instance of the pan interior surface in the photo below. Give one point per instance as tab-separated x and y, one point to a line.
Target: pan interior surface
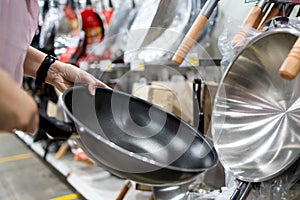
256	115
137	130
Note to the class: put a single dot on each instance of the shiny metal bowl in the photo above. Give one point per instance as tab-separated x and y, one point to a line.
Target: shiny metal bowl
256	115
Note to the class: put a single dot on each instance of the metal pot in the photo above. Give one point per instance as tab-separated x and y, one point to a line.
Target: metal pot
256	113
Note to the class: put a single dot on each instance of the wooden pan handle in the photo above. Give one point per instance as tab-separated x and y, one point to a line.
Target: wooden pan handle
291	65
275	11
189	39
124	190
252	21
254	17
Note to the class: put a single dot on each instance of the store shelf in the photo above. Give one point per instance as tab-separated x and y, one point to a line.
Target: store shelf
37	148
92	182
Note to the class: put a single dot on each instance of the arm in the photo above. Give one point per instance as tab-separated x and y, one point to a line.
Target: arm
18	109
60	74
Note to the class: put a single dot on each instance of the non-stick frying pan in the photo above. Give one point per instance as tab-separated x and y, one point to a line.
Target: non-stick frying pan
256	115
136	140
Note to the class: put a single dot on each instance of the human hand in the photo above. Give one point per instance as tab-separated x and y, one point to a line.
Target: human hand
18	109
63	76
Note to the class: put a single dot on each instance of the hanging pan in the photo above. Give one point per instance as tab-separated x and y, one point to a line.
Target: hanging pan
153	13
256	115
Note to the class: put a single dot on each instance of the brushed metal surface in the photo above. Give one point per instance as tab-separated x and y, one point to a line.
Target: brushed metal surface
256	115
158	13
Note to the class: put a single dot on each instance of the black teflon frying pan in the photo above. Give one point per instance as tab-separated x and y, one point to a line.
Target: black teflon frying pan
136	140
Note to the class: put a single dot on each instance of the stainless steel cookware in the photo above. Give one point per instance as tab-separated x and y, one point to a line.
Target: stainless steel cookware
256	115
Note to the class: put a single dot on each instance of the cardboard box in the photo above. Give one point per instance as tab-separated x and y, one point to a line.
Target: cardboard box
175	97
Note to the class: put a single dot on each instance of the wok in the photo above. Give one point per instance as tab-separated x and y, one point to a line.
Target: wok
135	139
256	115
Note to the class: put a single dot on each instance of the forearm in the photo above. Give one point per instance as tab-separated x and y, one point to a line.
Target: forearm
18	109
33	60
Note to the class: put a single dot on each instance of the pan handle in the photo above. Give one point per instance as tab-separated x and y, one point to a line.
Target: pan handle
54	128
124	190
252	21
291	65
274	12
194	31
242	191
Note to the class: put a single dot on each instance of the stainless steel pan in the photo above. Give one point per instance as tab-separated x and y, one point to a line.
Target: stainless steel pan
256	115
153	13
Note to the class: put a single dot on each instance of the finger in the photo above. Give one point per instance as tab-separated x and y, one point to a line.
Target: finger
101	84
62	87
92	89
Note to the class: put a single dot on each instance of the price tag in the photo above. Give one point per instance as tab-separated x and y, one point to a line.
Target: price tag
106	65
193	59
137	66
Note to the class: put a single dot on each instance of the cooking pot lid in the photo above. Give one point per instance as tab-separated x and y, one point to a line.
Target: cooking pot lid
256	116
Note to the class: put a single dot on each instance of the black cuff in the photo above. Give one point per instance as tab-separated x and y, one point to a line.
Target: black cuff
42	71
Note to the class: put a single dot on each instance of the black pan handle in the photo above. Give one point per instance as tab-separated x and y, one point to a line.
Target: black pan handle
88	3
110	4
241	191
198	111
54	128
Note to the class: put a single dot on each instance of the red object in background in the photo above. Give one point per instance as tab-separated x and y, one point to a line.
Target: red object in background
72	17
71	50
65	57
92	25
107	13
83	157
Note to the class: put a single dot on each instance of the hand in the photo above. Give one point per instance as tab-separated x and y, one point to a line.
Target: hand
18	108
60	74
63	76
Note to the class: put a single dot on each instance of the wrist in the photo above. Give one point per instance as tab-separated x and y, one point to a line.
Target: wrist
43	69
56	72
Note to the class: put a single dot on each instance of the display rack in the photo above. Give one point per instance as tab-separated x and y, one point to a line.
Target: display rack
92	182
